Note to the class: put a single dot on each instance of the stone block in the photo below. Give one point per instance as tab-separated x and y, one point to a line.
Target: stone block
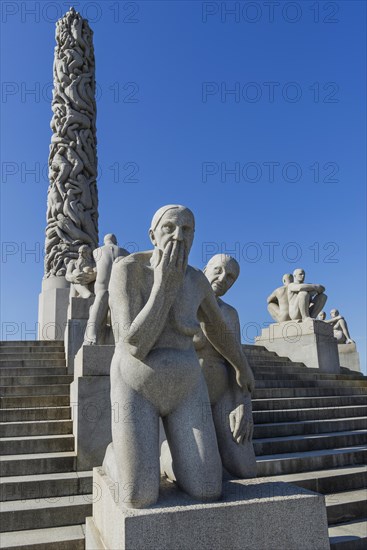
91	405
310	342
78	313
349	357
252	514
52	308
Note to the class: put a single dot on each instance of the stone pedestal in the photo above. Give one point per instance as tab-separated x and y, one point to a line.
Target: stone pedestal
91	405
349	357
310	342
252	515
77	320
52	308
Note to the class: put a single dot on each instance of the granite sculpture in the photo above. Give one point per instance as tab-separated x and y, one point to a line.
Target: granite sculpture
104	256
158	303
278	305
72	201
339	324
81	273
230	406
305	300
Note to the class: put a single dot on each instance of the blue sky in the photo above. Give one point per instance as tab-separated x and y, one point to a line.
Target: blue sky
255	119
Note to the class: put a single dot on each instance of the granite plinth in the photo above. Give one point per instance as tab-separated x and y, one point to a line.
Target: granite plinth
349	357
252	514
78	313
310	342
52	308
91	405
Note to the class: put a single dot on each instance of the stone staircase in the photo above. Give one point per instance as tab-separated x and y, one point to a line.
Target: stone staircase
310	429
44	501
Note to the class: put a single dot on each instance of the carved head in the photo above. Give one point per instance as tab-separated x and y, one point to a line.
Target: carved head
287	278
84	251
299	275
334	313
322	316
172	223
222	272
110	238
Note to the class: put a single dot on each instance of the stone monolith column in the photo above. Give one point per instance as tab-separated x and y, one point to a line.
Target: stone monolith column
72	200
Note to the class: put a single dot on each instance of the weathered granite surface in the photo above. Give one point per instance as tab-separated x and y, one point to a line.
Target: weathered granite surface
252	515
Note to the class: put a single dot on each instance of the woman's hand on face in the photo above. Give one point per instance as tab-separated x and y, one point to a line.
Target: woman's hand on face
169	272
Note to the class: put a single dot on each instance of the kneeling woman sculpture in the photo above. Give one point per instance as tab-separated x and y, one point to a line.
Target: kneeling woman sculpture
158	303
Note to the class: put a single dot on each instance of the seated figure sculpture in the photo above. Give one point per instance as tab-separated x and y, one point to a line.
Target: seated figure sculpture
278	305
158	303
81	272
340	327
104	256
305	300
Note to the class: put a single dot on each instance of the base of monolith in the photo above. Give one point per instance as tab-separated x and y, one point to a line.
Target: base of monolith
91	405
52	308
349	357
252	514
310	342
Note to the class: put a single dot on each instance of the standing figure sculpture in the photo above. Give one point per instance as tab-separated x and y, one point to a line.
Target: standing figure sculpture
104	256
278	305
339	324
158	303
305	300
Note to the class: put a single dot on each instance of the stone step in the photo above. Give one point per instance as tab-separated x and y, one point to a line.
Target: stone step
70	537
32	401
305	443
309	414
32	343
308	427
41	463
308	402
40	513
23	414
272	393
53	389
346	506
290	463
277	362
319	383
31	349
45	485
41	427
351	535
32	363
36	444
261	373
33	371
12	357
35	380
326	481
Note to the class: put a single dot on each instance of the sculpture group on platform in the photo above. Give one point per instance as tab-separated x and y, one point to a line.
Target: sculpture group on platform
339	324
296	300
299	301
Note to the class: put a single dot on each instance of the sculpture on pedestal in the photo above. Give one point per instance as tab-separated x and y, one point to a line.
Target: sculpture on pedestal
104	257
81	273
72	217
278	305
158	303
340	327
305	300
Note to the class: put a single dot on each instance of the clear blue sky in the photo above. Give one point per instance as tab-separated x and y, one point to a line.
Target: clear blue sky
292	130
